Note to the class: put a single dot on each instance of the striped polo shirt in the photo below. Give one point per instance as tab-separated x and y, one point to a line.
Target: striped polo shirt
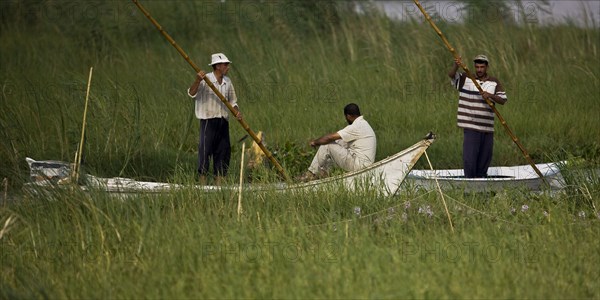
473	112
208	104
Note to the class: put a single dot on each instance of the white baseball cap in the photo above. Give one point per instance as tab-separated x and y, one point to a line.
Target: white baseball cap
219	58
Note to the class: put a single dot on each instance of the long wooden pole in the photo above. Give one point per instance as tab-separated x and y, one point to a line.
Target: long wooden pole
80	148
239	206
488	101
212	87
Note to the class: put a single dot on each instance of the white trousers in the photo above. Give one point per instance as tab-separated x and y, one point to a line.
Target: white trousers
334	154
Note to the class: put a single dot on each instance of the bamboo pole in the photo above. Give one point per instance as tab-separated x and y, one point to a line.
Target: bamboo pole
239	206
488	101
79	152
212	87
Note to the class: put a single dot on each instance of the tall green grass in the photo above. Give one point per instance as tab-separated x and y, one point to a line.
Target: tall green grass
189	244
295	65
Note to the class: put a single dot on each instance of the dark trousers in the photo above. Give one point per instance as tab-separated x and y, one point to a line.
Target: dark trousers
477	152
214	143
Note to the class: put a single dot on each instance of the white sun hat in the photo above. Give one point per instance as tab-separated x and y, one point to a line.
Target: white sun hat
219	58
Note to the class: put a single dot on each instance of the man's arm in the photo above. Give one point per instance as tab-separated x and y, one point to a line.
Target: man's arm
238	113
232	98
499	96
496	98
457	63
326	139
193	90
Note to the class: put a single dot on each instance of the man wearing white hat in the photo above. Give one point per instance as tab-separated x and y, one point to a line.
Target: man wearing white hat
475	116
213	114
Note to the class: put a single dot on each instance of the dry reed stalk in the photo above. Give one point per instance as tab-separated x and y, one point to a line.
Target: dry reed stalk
7	224
239	206
80	149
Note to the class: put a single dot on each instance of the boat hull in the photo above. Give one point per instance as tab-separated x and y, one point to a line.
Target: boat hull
499	178
385	177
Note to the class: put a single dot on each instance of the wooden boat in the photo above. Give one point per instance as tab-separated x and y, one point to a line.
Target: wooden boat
499	178
385	176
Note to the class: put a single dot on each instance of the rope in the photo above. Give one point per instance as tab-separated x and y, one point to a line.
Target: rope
441	193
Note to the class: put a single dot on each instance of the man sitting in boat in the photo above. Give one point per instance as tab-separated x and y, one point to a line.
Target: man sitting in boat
350	148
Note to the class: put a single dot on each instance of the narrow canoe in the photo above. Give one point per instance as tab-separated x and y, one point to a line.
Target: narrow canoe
385	176
499	178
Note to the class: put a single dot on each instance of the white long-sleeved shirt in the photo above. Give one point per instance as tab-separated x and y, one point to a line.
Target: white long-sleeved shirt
208	105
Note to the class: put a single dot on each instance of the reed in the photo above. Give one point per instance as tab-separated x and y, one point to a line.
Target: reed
191	244
293	76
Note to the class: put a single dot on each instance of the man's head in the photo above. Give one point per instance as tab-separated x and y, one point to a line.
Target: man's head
351	112
481	65
220	63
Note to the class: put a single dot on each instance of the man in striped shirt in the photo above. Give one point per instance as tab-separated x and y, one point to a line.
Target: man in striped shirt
213	114
475	116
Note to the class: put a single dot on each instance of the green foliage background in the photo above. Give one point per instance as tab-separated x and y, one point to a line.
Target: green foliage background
295	65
